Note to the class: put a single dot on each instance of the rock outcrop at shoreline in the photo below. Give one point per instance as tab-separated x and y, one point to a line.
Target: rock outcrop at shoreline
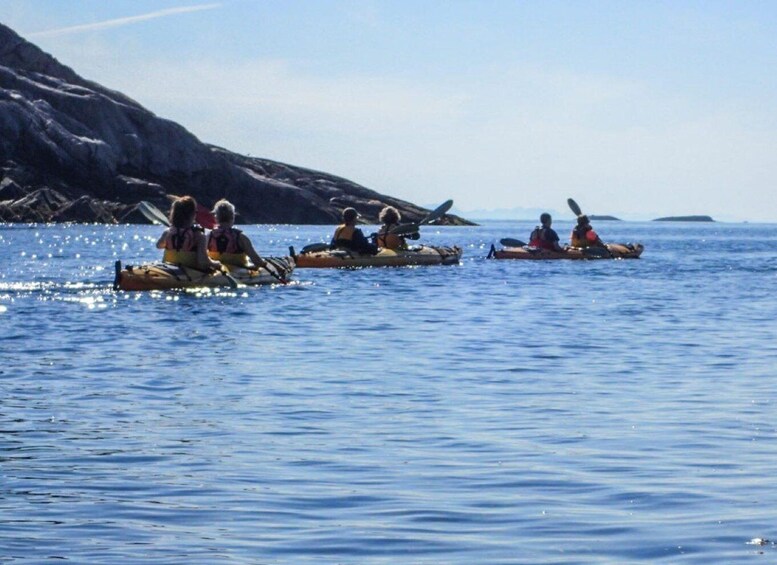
73	150
685	219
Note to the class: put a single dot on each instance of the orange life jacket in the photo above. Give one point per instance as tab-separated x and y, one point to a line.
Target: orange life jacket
583	237
181	246
344	232
224	245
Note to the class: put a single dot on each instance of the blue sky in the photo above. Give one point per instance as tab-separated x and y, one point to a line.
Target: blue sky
637	109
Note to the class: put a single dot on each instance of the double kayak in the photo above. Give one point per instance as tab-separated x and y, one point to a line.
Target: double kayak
166	276
613	251
338	258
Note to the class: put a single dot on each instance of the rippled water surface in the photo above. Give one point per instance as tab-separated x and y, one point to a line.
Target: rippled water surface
493	412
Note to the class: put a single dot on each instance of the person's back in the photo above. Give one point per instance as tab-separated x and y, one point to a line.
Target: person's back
390	218
348	236
583	235
545	237
184	241
228	244
224	245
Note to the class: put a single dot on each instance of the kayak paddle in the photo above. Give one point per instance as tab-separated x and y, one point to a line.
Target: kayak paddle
279	275
510	242
152	213
593	252
438	212
205	217
405	229
315	247
574	207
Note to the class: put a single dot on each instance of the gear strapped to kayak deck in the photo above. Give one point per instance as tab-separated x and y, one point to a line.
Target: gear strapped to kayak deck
612	251
344	258
165	276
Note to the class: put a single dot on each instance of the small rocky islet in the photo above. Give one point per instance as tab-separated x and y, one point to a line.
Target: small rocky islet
72	150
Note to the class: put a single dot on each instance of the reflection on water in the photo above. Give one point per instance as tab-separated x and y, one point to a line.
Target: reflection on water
494	412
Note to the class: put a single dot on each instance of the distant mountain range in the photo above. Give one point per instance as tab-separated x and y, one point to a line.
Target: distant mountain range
73	150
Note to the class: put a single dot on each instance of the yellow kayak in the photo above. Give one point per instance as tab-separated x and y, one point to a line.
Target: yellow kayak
337	258
164	276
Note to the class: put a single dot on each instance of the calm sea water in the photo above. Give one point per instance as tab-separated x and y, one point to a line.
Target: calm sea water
494	412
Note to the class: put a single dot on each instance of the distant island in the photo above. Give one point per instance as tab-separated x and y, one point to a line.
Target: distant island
594	217
72	150
685	219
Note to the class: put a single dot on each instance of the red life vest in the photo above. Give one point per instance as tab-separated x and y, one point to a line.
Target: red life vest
537	239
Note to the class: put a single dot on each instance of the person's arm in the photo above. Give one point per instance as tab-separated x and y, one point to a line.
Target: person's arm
246	245
362	244
160	244
203	261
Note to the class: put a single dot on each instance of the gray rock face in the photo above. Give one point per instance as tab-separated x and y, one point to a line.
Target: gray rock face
72	150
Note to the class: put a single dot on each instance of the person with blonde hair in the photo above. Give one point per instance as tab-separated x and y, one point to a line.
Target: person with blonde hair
228	244
390	218
184	241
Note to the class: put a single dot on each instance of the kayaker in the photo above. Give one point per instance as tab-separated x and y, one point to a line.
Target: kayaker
184	241
545	237
390	218
228	244
583	235
348	236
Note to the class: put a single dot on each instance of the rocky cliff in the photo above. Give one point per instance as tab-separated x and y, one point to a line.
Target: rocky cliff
73	150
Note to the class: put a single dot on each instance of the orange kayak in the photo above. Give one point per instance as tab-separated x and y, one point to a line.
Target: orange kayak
614	251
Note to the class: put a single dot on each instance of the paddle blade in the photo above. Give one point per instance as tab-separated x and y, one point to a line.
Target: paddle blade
224	270
574	207
152	213
275	270
510	242
315	247
205	217
438	212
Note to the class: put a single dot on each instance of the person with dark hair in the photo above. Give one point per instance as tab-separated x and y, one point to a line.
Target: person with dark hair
228	244
348	236
545	237
390	218
184	241
583	235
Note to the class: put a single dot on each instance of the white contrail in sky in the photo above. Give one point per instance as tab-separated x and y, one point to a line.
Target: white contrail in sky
124	21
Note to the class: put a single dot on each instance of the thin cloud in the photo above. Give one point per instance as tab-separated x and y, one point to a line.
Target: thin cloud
118	22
